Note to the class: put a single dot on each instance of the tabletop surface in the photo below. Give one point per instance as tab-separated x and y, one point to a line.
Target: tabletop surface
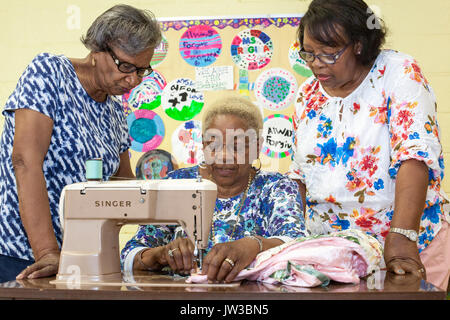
381	285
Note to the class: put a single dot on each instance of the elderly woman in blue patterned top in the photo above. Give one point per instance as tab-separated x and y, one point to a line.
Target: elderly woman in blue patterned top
62	113
255	210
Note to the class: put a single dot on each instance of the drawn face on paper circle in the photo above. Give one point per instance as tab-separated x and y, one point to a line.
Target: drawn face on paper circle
200	45
181	100
154	164
251	49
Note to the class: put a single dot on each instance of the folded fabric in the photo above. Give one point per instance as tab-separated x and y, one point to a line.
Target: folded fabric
343	256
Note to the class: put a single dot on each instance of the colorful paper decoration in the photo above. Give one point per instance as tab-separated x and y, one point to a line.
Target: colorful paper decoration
275	89
155	164
160	52
187	142
147	95
278	136
251	49
297	63
181	100
200	45
146	130
235	23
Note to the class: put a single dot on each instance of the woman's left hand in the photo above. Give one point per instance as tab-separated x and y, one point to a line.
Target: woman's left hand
402	256
226	260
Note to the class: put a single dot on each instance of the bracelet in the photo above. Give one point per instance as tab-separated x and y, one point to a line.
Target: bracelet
259	242
139	259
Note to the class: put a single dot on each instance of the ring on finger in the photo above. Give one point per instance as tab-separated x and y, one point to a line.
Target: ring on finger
171	251
231	262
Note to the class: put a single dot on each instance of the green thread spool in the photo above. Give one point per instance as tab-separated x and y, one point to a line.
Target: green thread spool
94	169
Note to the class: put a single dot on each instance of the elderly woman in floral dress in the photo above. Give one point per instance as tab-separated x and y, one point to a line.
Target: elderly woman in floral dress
254	211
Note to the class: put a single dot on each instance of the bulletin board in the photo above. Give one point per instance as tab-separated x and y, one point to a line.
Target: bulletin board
201	59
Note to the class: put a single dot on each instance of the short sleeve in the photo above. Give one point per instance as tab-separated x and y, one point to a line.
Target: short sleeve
413	127
286	218
37	87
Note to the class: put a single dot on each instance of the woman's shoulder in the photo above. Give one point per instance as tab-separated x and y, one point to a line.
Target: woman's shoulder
393	61
183	173
48	60
271	179
398	66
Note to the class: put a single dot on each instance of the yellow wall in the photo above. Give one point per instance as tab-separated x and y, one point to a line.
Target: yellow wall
28	27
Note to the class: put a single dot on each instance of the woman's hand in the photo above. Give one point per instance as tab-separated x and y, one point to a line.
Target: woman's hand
226	260
402	256
45	266
179	255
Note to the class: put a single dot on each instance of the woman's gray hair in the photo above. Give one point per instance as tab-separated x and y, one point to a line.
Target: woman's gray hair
235	105
130	29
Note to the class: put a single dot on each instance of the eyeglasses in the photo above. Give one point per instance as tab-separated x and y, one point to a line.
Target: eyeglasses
325	58
127	67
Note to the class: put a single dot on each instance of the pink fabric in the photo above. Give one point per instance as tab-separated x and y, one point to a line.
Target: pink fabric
339	259
436	258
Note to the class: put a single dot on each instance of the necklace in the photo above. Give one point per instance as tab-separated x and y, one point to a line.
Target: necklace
241	205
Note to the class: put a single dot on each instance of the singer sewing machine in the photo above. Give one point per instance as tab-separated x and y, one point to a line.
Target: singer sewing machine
95	211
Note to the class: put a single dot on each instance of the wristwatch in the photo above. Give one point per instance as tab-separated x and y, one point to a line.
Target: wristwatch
410	234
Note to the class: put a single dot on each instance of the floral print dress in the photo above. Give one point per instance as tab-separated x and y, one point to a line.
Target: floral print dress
272	209
348	150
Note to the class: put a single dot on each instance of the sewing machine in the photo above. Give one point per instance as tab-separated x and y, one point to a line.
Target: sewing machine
94	212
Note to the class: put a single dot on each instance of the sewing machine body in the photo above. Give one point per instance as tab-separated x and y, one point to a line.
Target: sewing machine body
95	211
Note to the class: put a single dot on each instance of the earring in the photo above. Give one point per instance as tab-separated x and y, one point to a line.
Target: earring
202	164
260	165
93	62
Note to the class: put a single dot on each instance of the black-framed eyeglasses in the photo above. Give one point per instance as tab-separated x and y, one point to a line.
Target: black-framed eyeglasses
325	58
127	67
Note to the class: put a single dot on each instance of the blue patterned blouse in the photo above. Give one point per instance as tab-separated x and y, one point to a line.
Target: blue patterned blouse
272	209
82	129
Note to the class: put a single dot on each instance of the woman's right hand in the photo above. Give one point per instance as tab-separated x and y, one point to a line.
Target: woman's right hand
45	266
179	255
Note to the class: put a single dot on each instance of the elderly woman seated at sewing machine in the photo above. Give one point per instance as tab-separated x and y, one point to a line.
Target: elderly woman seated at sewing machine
254	210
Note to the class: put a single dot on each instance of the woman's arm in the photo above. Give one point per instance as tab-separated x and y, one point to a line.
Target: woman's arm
410	195
124	170
302	190
33	132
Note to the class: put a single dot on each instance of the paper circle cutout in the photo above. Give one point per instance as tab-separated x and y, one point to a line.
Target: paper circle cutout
147	95
187	142
278	136
146	130
160	52
297	63
181	100
275	89
251	49
155	164
200	45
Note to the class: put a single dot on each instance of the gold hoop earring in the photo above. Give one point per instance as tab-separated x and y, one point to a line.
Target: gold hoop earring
202	165
93	62
260	165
